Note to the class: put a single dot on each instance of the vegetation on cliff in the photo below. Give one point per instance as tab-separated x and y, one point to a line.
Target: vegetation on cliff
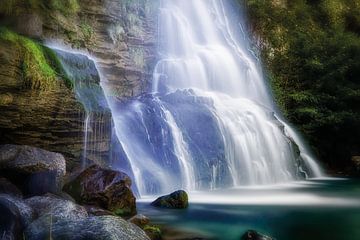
12	7
40	67
311	50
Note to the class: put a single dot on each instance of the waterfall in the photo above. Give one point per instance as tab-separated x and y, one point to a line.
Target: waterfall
209	121
97	124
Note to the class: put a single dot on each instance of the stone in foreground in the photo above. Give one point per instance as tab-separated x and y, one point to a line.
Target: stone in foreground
177	199
91	228
35	171
254	235
104	188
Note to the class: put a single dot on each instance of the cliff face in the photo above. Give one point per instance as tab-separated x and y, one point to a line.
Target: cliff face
51	119
119	34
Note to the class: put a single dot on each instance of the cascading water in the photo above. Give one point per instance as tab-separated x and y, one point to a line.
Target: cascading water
97	120
209	121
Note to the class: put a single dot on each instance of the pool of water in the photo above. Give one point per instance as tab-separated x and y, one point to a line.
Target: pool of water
315	209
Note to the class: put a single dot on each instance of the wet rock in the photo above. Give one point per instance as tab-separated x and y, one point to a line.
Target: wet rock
34	170
177	199
6	187
15	215
92	228
29	159
254	235
139	220
105	188
57	208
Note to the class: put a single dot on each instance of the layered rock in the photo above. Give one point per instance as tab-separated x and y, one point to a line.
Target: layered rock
47	119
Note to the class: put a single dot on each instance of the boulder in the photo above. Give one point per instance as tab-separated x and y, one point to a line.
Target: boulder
254	235
15	216
92	228
34	170
104	188
29	159
177	199
56	207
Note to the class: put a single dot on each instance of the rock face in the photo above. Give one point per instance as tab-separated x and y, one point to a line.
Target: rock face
35	170
254	235
178	199
105	188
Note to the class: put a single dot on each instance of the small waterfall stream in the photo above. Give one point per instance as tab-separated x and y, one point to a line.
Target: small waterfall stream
209	121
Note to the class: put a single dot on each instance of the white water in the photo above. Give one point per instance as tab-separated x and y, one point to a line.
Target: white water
204	49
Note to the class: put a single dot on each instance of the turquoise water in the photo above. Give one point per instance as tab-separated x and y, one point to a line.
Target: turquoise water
317	209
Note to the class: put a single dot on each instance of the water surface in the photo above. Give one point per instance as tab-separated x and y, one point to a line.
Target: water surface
316	209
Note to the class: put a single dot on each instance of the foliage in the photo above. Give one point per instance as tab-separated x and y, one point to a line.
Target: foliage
40	67
311	50
66	7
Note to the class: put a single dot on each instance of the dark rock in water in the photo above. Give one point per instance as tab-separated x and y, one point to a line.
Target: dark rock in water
254	235
178	199
92	228
56	207
105	188
34	170
355	160
6	187
14	216
139	220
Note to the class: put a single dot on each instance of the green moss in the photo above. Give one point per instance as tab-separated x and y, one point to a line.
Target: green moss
66	7
123	212
40	67
310	50
153	231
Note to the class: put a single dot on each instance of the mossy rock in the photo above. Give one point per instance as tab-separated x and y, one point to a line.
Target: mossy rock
153	232
40	67
177	199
